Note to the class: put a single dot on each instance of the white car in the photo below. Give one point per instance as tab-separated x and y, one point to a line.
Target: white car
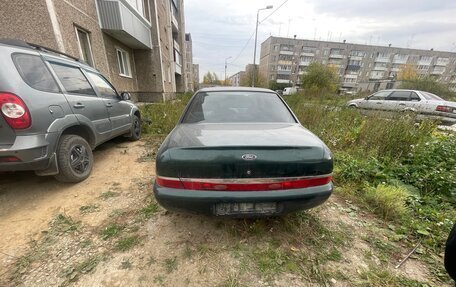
425	105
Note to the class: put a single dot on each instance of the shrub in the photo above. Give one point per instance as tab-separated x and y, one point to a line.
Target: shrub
429	84
388	201
160	118
320	78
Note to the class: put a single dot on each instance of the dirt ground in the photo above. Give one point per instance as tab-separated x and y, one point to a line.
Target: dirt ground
109	231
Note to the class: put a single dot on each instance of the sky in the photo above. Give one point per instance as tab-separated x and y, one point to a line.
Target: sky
225	28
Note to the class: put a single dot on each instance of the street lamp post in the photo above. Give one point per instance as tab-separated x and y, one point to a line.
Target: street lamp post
225	67
254	51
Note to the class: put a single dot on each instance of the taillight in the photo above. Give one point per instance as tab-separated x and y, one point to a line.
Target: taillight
9	159
226	185
444	109
15	111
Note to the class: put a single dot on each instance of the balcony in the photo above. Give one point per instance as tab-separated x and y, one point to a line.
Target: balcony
284	72
336	56
307	54
178	68
437	71
382	59
174	17
121	21
442	62
176	46
282	81
424	62
379	68
305	63
286	52
356	58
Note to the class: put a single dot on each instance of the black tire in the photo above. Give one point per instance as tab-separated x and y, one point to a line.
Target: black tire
74	158
135	133
352	107
450	253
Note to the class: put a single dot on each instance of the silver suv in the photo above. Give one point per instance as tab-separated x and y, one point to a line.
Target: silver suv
55	110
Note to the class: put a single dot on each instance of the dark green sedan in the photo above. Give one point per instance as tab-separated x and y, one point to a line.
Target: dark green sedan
241	152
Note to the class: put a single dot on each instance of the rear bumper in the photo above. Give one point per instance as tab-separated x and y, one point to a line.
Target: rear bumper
204	202
33	151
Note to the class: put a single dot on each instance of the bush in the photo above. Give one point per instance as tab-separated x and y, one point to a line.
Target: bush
320	78
388	201
429	84
160	118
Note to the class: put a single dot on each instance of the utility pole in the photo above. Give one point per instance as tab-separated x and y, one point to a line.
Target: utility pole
225	69
256	36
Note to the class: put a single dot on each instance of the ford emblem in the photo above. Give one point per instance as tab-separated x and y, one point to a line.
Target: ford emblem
249	156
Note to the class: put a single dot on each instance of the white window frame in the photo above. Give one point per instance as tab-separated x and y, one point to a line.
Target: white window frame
76	30
126	62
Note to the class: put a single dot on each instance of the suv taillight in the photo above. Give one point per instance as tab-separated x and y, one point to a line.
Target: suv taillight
444	109
14	110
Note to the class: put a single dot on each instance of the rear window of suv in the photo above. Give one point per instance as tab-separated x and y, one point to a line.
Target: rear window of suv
35	73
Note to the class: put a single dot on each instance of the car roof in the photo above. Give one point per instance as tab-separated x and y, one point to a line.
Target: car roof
235	89
45	51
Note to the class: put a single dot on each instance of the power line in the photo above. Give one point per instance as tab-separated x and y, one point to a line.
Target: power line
251	36
280	6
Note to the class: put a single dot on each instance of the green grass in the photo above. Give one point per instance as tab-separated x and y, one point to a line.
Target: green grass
127	242
85	209
170	264
111	230
64	223
150	209
109	194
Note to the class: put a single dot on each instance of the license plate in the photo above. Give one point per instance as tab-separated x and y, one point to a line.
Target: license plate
245	208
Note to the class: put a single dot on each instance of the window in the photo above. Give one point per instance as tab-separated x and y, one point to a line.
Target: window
124	63
35	73
138	5
276	48
431	97
399	96
85	49
414	97
380	96
309	49
73	80
241	107
357	53
104	88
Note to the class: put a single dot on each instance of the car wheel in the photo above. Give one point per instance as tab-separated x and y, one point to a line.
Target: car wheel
74	158
352	107
135	133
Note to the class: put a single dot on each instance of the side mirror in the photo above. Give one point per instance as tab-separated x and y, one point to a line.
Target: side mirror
125	96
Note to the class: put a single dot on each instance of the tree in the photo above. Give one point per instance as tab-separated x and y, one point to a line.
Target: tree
407	72
431	85
320	78
260	80
211	78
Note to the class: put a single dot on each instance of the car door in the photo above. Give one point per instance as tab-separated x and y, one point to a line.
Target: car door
86	105
119	110
375	101
397	101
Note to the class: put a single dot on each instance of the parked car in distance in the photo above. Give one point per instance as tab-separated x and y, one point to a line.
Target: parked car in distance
290	91
55	110
423	104
241	152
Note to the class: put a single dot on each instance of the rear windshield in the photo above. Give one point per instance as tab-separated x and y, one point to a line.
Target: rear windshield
431	97
237	107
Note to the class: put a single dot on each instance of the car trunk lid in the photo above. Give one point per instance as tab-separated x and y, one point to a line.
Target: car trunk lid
243	151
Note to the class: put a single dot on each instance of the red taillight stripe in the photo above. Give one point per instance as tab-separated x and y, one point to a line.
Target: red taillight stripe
224	185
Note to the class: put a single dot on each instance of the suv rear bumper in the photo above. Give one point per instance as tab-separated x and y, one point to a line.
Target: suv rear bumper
32	151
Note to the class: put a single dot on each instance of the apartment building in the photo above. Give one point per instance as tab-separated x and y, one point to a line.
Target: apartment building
135	43
196	77
360	67
235	80
190	87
